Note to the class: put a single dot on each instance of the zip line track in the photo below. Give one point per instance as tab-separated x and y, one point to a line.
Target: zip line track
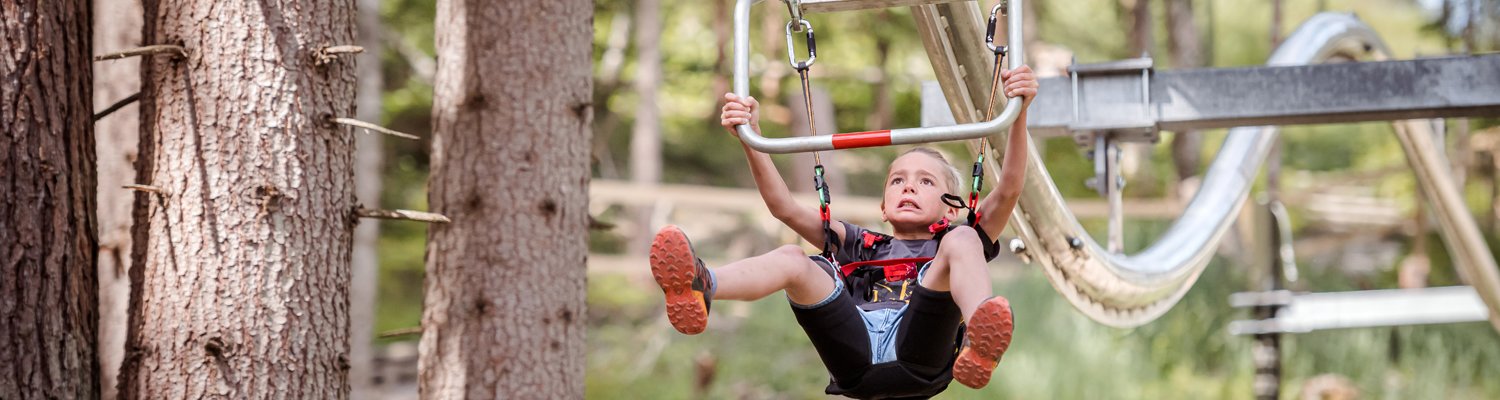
1130	290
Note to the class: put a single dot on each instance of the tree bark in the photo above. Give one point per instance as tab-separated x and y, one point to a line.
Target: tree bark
369	159
504	294
240	273
48	282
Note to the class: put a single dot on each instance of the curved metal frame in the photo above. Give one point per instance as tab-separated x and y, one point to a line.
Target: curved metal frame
872	138
1131	290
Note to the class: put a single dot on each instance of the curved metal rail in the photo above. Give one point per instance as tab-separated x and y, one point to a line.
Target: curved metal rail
1131	290
1016	53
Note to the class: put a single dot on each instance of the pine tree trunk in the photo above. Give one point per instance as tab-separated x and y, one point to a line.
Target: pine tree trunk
48	282
117	136
369	157
504	315
240	273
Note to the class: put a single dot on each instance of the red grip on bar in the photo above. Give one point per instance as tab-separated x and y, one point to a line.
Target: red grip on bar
861	139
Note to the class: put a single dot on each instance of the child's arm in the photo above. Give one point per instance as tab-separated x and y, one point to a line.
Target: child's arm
996	207
773	190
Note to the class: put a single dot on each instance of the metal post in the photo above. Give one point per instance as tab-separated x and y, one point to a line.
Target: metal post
1114	185
1266	352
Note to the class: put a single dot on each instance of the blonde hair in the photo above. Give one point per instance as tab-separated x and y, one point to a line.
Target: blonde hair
955	180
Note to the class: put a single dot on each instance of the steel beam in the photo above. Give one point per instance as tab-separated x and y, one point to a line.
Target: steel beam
1309	312
1467	86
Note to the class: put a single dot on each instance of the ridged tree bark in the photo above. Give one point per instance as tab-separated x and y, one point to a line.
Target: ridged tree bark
117	135
369	158
504	315
240	273
48	283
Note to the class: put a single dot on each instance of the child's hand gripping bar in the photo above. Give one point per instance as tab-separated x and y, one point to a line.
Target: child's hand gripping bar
872	138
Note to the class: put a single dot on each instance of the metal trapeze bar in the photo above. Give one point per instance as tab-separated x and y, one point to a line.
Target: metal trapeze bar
875	138
1463	86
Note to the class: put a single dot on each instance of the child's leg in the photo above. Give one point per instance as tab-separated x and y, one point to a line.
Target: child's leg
960	268
690	287
785	268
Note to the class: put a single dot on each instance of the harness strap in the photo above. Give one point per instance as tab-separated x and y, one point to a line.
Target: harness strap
850	268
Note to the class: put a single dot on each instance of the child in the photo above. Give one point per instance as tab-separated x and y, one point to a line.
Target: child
883	332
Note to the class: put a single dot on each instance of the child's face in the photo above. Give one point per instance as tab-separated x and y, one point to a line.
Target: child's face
914	190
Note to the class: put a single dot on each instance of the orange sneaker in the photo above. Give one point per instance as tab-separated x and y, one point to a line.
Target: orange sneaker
683	278
985	341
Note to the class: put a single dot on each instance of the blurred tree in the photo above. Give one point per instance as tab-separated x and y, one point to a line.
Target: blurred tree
1187	52
118	135
645	133
1141	38
240	270
504	315
48	282
369	174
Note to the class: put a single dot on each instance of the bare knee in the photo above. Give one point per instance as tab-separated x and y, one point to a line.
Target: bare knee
789	251
961	238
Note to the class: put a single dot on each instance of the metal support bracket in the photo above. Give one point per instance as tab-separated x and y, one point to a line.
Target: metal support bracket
1114	97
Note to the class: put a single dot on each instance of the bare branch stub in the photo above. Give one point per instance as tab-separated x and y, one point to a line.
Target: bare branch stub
327	55
372	127
408	215
177	51
415	330
145	188
117	106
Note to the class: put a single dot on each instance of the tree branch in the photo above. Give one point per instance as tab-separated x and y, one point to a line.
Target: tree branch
408	215
330	54
145	188
370	126
144	50
117	106
415	330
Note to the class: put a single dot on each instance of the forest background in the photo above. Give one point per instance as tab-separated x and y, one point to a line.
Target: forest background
870	69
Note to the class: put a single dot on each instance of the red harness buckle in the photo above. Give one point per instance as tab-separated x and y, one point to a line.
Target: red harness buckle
899	272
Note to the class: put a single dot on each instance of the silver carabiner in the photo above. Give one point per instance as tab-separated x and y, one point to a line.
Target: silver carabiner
791	51
989	33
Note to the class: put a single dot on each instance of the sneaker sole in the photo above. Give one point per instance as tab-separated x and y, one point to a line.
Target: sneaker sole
988	336
673	267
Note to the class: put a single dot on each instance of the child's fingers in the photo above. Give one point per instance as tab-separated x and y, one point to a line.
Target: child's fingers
731	97
751	102
1005	74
